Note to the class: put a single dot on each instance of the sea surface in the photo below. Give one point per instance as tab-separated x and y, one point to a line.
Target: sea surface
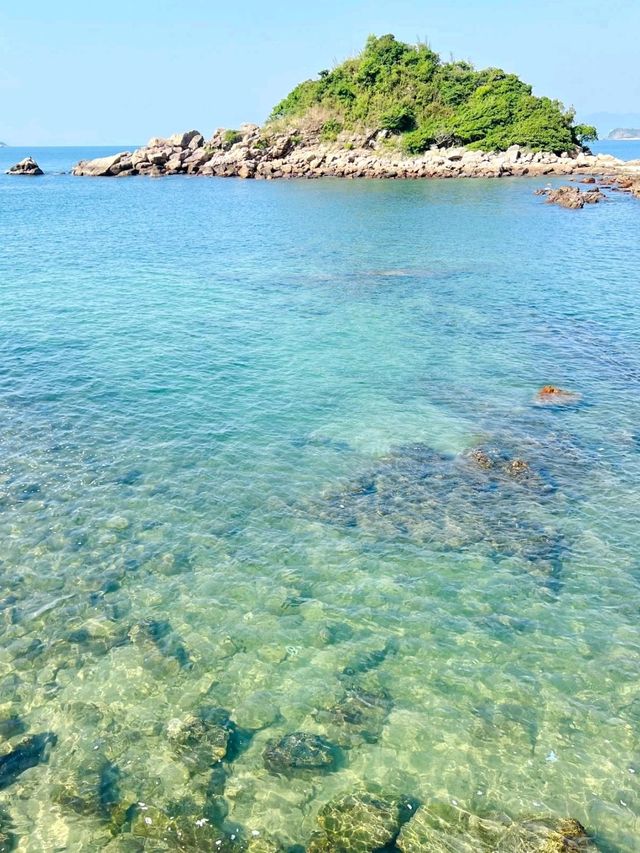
237	424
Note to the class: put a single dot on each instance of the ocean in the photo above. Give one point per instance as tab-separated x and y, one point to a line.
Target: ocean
241	498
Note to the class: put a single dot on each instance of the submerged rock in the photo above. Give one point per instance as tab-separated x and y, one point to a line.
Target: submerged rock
163	637
443	828
358	823
300	753
8	840
360	715
29	753
370	660
486	499
517	467
11	726
181	833
553	395
546	835
94	790
202	740
28	166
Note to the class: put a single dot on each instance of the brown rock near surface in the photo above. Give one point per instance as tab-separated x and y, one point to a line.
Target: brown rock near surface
28	166
553	395
572	197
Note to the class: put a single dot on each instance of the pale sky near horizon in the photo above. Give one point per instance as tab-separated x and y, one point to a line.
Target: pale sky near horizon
74	73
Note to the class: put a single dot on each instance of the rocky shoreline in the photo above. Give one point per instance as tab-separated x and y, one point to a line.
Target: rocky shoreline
255	152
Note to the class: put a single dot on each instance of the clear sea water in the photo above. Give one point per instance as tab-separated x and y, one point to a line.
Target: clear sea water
236	420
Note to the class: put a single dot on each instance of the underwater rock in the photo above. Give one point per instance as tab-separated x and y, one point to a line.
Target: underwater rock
546	835
184	834
300	753
357	823
359	715
442	828
262	844
488	500
499	462
517	467
8	841
555	396
29	753
370	660
11	726
94	790
513	723
482	458
163	637
130	478
202	740
98	636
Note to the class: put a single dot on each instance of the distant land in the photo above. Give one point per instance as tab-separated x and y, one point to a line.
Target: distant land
3	145
604	121
625	133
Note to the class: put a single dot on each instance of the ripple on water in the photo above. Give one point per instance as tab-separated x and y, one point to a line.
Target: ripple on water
289	495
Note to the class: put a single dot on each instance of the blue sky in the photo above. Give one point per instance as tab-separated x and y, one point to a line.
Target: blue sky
74	72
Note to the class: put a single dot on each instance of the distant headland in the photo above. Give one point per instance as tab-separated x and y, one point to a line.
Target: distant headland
3	145
630	133
396	110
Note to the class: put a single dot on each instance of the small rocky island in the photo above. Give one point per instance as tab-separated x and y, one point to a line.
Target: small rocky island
395	111
625	133
28	166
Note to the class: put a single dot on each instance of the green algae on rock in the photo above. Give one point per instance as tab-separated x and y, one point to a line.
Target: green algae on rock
358	716
546	835
162	636
444	828
358	823
8	840
93	790
300	753
454	502
192	833
202	740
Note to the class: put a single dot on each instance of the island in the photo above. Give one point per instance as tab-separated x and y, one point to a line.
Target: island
3	145
630	133
394	111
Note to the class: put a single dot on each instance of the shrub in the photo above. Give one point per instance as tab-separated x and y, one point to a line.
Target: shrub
398	119
408	90
230	138
330	130
584	133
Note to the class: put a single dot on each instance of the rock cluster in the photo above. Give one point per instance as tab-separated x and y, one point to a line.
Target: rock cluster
28	166
552	395
572	197
626	184
255	152
300	753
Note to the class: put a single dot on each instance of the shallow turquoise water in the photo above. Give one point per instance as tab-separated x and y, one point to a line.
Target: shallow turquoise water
245	409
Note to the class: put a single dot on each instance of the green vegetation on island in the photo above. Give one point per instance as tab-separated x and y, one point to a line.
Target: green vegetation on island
409	92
